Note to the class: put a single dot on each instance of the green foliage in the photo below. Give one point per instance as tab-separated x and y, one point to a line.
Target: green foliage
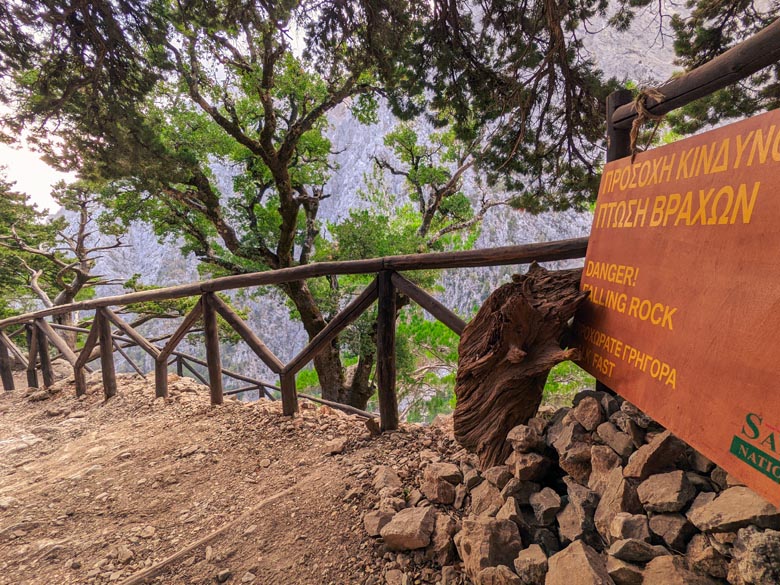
564	381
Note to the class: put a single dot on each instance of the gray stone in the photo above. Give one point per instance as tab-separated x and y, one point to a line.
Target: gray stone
531	565
487	542
577	564
545	504
409	529
501	575
756	558
655	457
616	440
223	575
633	526
673	529
624	573
632	550
703	558
735	508
666	492
636	415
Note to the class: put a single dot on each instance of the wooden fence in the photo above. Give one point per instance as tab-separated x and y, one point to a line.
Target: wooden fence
101	342
738	63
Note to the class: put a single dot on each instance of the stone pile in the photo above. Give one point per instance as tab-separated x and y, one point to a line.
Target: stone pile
595	494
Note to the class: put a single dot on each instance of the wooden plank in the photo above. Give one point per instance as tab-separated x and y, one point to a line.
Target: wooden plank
179	367
385	352
212	349
128	359
43	355
6	372
106	354
32	344
189	320
344	407
195	372
289	394
139	339
507	255
741	61
252	340
89	344
63	347
351	312
430	304
17	353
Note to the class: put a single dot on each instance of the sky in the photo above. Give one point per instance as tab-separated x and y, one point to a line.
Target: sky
31	174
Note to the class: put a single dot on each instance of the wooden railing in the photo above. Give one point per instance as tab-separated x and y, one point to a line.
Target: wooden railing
101	342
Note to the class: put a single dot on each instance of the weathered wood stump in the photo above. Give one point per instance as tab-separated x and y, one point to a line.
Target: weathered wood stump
505	355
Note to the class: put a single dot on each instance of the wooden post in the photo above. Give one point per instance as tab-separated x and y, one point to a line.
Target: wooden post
43	354
106	354
32	345
5	368
212	348
618	146
84	355
161	378
385	352
618	141
46	330
179	367
289	393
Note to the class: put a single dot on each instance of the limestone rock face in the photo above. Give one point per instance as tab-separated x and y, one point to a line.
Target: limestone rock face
735	508
487	542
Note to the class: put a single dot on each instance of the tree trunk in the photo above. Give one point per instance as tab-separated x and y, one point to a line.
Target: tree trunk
505	355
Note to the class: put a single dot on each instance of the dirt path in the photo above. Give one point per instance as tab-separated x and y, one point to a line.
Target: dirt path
94	492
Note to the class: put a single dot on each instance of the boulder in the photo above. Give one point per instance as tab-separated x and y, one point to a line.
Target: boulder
531	565
519	490
575	520
439	481
472	478
510	511
498	475
410	529
525	439
666	492
375	520
501	575
545	505
575	461
632	550
673	529
659	455
633	526
577	564
619	496
671	570
484	497
528	466
602	461
487	542
616	440
441	549
588	413
386	477
703	558
624	573
756	557
735	508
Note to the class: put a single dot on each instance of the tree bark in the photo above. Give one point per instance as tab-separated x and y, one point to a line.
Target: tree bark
505	355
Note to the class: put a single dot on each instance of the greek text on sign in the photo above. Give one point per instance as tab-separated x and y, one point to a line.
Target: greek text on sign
683	269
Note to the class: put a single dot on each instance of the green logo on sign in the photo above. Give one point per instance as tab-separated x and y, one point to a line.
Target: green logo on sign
757	457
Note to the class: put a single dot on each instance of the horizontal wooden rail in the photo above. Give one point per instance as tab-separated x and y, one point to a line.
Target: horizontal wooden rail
739	62
523	254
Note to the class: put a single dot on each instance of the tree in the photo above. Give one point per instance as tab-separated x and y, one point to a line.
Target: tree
57	256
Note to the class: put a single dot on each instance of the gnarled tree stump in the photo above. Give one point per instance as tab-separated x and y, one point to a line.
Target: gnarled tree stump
505	355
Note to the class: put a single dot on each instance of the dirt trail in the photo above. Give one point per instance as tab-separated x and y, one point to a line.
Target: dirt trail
98	492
